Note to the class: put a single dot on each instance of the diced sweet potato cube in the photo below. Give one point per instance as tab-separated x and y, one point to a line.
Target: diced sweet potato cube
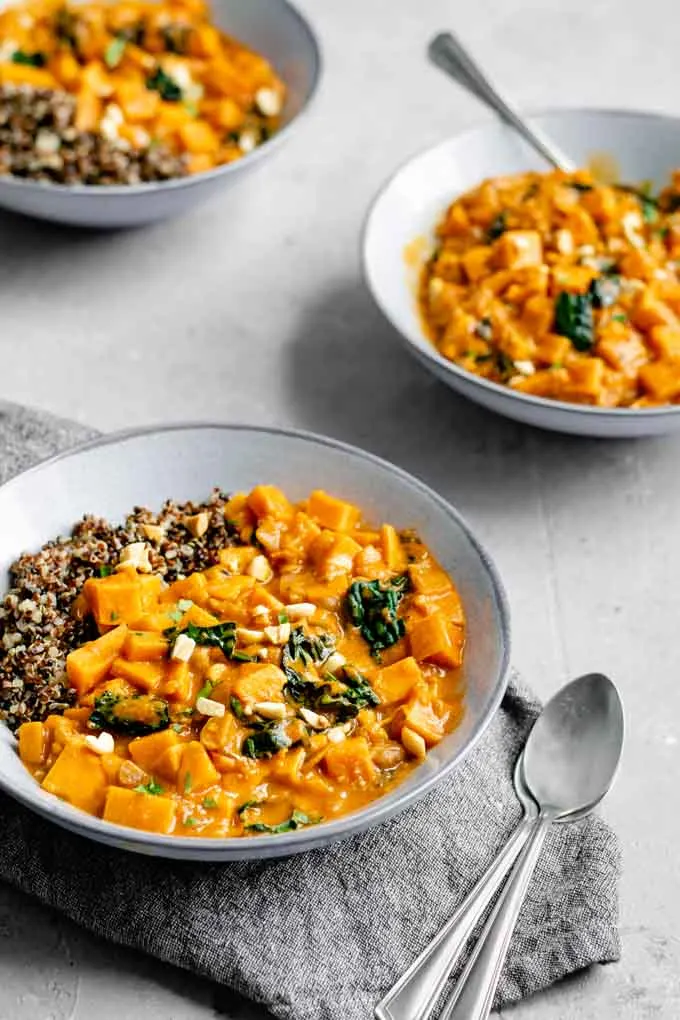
33	741
586	379
147	676
423	719
178	682
79	715
154	623
78	777
269	501
168	764
537	316
225	113
138	810
145	646
200	617
198	136
331	512
436	639
88	665
222	734
257	682
194	588
138	103
145	751
428	578
235	559
350	762
665	341
111	764
661	380
649	311
196	771
449	604
573	279
395	682
26	74
231	588
392	549
516	249
122	597
333	554
476	261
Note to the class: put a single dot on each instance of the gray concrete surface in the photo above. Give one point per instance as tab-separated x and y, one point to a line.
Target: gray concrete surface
253	308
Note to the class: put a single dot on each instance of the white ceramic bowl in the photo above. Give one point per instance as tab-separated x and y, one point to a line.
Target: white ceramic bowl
272	27
645	147
111	475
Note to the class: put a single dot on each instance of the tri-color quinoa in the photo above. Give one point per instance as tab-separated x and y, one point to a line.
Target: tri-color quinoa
39	139
37	628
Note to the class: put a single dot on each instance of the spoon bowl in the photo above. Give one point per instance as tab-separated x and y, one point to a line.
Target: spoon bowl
573	751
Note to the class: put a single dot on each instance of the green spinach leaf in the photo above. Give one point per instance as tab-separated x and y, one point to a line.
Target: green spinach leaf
574	319
372	607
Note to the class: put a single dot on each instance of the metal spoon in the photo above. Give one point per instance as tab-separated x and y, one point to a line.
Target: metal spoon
568	764
448	53
414	996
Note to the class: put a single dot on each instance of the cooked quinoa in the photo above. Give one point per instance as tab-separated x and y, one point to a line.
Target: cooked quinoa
37	628
39	140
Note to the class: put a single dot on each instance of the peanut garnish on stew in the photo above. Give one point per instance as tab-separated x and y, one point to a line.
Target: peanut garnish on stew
562	287
300	676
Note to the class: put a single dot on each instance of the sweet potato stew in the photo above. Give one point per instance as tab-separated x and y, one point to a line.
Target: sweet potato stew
111	93
306	668
562	287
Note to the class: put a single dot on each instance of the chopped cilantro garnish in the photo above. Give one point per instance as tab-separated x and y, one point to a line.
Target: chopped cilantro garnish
113	54
151	787
188	782
209	802
190	820
297	820
104	570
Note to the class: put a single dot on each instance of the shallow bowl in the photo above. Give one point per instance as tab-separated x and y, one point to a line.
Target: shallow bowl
399	236
272	27
111	475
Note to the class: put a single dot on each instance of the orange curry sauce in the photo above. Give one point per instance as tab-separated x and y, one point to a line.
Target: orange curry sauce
297	679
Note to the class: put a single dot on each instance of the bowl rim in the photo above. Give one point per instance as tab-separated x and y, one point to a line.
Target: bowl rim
424	349
374	813
193	180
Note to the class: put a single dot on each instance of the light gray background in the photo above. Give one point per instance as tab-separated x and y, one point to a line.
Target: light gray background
253	309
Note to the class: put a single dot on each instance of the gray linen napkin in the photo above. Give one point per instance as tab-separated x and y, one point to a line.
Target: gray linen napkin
321	936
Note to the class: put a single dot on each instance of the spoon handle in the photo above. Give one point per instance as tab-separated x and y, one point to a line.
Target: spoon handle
472	997
448	53
415	994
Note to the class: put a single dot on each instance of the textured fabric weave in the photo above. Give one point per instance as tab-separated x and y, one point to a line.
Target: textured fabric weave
321	936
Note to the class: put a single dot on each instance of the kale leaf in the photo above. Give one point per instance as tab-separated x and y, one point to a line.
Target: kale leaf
31	59
498	226
372	606
574	319
265	742
133	716
357	694
168	88
221	635
344	696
